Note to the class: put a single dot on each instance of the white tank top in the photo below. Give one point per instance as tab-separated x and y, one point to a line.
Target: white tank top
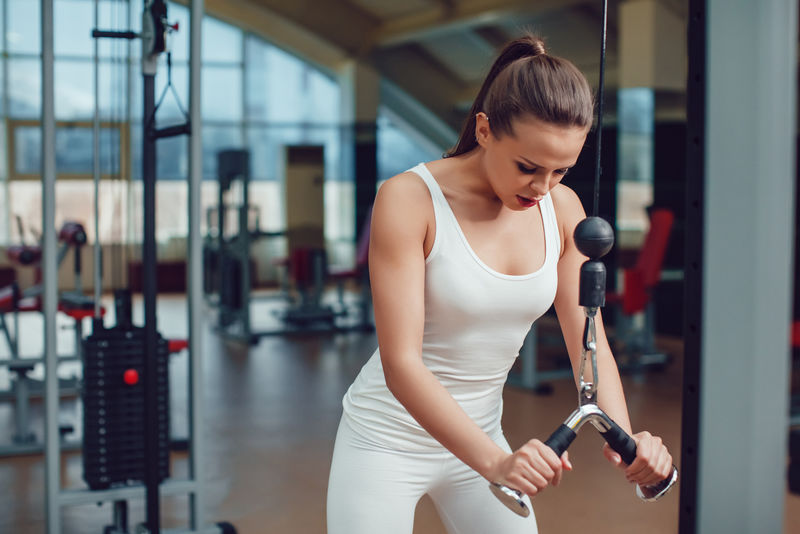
475	322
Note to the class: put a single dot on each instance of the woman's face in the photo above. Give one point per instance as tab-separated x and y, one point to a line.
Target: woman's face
522	167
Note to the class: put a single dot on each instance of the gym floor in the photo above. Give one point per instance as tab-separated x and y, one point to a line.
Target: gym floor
271	413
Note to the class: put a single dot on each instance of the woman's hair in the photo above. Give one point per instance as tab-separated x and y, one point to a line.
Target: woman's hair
525	80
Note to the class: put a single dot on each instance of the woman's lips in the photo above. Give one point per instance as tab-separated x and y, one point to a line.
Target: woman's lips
526	202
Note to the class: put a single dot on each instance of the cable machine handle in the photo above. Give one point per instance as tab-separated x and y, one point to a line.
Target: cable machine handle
561	439
617	439
621	442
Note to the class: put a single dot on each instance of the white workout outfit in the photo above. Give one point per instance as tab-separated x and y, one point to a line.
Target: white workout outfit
476	320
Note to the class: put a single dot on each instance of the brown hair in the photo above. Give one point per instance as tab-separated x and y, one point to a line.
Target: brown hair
525	80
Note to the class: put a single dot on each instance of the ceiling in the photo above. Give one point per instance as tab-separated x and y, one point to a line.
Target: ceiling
437	51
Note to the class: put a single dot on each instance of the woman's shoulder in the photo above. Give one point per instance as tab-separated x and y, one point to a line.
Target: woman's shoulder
413	187
404	199
567	205
404	187
569	212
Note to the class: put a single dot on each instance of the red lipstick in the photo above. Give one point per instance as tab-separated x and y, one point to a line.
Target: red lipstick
526	202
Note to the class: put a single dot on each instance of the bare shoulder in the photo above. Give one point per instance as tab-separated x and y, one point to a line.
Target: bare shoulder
404	187
404	200
569	212
567	204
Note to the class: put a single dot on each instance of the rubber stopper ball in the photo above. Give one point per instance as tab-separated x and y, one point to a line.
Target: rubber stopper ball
594	237
131	377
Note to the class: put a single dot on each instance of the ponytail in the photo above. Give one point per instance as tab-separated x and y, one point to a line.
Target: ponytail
524	79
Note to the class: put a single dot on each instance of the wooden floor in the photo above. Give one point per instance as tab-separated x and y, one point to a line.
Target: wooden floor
271	413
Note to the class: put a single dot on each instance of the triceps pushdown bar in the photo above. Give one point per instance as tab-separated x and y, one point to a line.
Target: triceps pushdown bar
594	237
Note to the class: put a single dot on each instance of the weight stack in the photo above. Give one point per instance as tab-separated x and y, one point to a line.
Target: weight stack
114	407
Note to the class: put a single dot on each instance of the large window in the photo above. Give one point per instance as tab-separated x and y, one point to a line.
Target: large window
254	96
636	112
399	147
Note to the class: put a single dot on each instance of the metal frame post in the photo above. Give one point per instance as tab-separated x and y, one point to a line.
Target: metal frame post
150	53
195	271
49	268
149	291
740	221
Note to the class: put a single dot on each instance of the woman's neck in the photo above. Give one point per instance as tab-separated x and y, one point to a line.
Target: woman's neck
467	174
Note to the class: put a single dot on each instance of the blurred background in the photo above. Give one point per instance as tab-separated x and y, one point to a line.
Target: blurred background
306	108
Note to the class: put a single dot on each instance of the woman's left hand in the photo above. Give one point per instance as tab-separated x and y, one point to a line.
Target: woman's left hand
653	461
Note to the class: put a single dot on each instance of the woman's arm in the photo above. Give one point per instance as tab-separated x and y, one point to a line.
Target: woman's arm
653	462
401	217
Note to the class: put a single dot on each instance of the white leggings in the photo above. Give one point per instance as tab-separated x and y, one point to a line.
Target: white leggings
375	490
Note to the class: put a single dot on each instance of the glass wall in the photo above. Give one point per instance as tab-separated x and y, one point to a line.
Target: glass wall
636	126
254	96
399	147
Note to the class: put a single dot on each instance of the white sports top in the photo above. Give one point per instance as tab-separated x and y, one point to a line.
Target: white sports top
475	322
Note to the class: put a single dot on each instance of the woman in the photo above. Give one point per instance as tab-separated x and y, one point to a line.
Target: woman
465	253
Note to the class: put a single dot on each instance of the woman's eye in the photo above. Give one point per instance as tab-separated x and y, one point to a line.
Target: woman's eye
526	170
563	172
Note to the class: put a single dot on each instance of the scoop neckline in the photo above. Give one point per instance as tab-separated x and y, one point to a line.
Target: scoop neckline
478	260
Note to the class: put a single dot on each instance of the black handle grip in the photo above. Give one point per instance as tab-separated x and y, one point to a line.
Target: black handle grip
621	442
561	439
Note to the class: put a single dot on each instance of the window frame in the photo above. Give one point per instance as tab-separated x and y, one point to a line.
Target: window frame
124	149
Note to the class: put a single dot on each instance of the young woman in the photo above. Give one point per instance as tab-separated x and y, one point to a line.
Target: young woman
466	252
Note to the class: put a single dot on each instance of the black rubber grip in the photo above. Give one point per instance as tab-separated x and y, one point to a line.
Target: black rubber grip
561	439
621	442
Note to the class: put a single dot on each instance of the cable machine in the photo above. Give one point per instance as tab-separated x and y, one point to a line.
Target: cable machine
594	237
127	444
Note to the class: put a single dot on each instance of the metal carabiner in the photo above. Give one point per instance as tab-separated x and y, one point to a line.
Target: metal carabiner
588	390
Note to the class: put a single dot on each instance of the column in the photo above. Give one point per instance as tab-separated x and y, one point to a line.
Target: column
360	89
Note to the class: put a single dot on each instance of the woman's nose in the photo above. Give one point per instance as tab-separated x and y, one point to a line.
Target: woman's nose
541	185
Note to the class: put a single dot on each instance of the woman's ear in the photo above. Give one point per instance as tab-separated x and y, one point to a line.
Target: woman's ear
483	131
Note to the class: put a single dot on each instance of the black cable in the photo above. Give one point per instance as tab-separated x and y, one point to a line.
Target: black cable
598	168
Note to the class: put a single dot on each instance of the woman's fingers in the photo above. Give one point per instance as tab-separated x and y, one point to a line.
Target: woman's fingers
653	462
565	461
533	467
613	456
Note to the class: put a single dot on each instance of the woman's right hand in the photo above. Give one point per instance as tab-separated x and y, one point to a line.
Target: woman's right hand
531	468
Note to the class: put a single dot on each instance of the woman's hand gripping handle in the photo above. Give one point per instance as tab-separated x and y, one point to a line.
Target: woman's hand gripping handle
618	440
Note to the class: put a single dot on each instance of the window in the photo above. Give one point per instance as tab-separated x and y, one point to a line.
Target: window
24	35
222	43
75	95
24	88
398	150
222	93
255	96
636	110
73	21
74	149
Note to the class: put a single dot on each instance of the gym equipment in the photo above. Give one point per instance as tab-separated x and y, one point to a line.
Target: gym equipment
635	343
14	302
634	339
150	345
228	268
113	403
226	262
594	237
309	271
360	274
